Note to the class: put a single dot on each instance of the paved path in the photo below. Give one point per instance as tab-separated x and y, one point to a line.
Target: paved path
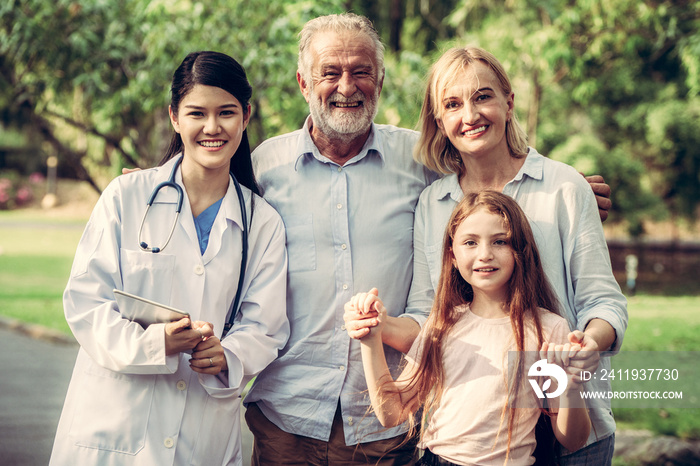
33	383
34	376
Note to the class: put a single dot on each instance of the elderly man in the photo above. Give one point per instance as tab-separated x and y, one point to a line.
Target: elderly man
346	189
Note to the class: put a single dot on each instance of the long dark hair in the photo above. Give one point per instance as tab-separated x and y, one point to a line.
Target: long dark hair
218	70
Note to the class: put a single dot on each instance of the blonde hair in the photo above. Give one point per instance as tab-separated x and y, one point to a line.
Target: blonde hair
434	150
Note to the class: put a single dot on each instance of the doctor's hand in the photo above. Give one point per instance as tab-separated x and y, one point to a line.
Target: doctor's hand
180	336
208	356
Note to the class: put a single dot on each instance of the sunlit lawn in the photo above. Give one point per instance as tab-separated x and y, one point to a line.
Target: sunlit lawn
660	323
35	263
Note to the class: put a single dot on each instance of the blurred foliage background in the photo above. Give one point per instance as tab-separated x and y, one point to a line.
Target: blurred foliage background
611	87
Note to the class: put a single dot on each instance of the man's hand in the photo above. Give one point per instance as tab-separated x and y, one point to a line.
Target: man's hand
602	195
358	324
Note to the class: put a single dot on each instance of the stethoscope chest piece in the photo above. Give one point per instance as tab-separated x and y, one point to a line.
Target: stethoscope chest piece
180	196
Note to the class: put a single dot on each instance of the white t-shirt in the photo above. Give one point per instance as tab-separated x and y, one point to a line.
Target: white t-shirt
464	428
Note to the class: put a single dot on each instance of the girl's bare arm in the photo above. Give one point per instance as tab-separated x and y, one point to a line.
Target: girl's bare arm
391	405
570	422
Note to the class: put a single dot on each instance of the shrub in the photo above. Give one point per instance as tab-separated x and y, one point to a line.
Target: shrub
17	192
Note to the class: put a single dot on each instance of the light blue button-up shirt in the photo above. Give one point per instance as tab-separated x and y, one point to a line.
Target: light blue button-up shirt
349	228
564	218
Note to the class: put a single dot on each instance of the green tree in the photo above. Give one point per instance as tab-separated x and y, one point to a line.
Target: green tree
633	69
92	77
611	87
593	78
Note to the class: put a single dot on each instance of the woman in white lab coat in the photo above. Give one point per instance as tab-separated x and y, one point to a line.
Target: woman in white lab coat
169	393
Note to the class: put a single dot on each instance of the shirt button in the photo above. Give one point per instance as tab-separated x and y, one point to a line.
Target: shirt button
339	206
168	442
342	327
199	269
343	246
350	420
342	368
345	286
181	385
340	169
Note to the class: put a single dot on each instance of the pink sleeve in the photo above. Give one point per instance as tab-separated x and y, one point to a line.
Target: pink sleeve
559	332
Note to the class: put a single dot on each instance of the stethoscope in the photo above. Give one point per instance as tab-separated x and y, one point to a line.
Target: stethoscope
170	183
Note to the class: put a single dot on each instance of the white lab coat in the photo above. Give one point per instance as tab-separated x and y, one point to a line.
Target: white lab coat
127	402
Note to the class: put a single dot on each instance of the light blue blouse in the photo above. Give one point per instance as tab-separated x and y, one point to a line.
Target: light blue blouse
564	217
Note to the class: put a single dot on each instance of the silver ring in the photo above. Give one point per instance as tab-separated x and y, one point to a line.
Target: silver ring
211	363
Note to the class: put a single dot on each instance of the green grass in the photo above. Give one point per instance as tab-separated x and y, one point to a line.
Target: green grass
37	216
31	289
659	323
663	323
35	263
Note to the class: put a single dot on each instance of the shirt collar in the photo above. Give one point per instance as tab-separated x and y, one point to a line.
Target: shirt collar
533	167
164	171
230	205
449	187
307	150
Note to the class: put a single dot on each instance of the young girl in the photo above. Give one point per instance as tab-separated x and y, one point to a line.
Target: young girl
170	393
492	298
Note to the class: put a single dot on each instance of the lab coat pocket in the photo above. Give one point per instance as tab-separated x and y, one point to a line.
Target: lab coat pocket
219	433
301	247
148	275
113	410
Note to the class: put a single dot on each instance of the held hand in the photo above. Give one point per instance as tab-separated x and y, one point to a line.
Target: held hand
357	324
588	358
562	356
602	195
365	302
180	336
365	315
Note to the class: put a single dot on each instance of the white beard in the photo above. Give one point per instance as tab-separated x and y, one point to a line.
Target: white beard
340	125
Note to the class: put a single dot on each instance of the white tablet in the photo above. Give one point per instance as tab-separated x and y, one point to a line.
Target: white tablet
144	311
